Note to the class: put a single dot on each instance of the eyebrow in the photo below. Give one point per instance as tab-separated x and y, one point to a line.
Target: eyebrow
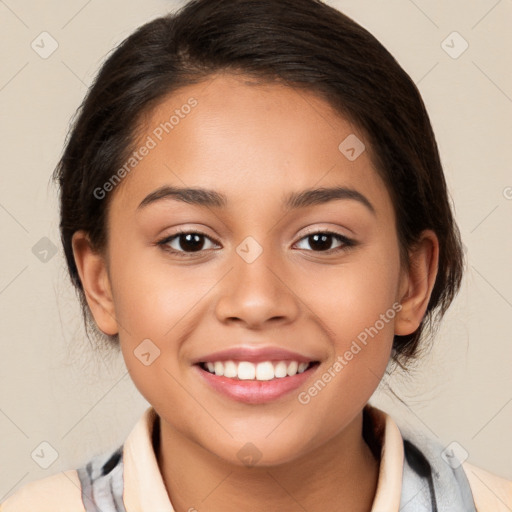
292	201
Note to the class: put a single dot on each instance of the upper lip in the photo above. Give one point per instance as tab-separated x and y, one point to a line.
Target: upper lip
254	355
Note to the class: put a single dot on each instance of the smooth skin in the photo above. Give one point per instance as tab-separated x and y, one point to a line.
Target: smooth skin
256	143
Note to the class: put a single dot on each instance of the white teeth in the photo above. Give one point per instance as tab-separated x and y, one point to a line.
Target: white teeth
302	367
292	368
219	368
265	370
230	369
246	371
280	369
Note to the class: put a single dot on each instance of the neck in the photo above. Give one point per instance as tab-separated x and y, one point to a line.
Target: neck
343	470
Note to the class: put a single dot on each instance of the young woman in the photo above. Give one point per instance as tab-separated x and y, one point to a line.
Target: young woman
254	211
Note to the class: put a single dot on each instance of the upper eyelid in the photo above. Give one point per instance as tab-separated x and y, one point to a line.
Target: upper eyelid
167	239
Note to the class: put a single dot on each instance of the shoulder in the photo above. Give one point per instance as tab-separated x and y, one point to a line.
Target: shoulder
490	492
456	480
57	493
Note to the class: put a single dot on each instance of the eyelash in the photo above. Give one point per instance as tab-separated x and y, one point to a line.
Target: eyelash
347	242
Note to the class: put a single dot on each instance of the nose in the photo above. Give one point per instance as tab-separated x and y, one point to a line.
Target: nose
257	293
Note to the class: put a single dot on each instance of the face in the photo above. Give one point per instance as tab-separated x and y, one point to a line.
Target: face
318	277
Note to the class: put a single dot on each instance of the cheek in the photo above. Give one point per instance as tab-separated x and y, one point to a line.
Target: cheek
357	305
154	304
152	295
352	297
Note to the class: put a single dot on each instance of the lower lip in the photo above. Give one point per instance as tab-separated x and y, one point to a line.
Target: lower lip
256	391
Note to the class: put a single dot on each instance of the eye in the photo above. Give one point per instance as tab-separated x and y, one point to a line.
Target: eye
321	241
186	242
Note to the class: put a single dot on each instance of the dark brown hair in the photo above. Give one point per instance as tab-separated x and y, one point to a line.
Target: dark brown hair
302	43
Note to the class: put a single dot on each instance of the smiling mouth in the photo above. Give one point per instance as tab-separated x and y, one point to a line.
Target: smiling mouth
262	371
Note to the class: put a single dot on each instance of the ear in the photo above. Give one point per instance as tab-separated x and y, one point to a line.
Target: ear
417	283
93	272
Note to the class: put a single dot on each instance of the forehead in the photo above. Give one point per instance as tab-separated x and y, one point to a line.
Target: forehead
247	139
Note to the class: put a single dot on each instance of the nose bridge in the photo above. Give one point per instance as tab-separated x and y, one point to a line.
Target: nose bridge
253	264
254	291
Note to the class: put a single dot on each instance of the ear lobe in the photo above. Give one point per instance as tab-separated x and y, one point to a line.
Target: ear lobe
418	283
93	273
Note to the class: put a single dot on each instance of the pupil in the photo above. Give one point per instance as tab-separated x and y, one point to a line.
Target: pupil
193	241
319	242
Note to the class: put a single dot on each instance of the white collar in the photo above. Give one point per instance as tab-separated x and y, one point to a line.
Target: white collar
144	488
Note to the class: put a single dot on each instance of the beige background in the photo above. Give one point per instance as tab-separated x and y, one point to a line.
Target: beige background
54	389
